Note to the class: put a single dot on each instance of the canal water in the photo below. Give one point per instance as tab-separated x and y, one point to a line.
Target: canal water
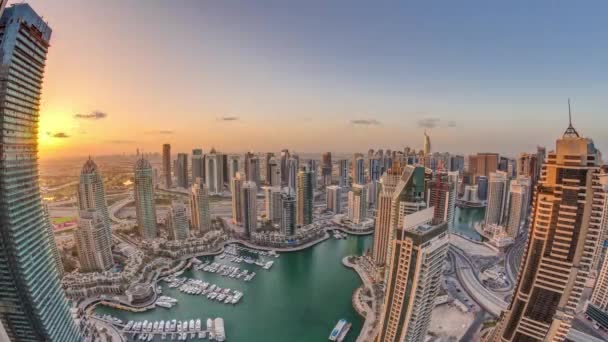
465	219
300	298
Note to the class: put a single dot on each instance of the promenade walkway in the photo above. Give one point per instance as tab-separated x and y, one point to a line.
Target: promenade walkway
372	315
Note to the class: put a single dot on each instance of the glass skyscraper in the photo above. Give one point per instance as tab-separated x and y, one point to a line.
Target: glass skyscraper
32	304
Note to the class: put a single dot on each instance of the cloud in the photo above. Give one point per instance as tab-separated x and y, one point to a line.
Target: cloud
434	122
94	115
364	122
120	141
162	131
60	135
228	118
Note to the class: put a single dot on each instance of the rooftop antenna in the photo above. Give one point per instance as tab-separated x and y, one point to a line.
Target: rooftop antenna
569	113
570	131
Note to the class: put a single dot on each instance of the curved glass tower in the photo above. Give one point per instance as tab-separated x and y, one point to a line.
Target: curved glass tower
32	304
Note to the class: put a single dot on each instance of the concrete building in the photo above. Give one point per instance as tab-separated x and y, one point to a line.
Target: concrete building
253	170
272	204
288	215
357	203
214	172
417	255
145	207
52	243
199	207
93	244
267	169
313	166
326	168
527	165
274	171
333	199
284	166
557	263
177	221
167	165
519	202
304	198
482	164
384	205
427	144
292	172
236	184
234	163
249	207
181	170
498	185
343	173
441	194
358	170
482	187
198	164
33	305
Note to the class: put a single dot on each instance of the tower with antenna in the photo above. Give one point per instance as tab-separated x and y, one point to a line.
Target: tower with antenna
570	131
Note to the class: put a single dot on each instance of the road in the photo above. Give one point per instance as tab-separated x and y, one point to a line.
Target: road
513	258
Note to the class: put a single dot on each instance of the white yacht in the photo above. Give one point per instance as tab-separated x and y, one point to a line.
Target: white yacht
220	334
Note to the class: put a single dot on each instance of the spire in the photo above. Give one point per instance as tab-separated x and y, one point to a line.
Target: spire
570	131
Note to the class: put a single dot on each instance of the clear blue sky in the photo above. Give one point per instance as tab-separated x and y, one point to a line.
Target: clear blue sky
297	74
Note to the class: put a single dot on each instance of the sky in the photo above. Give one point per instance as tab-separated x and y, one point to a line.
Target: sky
316	76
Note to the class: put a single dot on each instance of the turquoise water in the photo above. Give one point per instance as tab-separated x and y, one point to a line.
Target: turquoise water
465	218
300	298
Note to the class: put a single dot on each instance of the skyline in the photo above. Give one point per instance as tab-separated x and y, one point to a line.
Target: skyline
282	76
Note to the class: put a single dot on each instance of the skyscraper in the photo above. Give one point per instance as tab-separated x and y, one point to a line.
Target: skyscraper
417	255
527	165
384	205
288	215
292	172
91	192
284	167
214	171
498	186
313	166
519	201
272	204
254	170
326	168
198	164
249	207
343	173
427	144
267	170
199	207
359	170
441	194
32	303
357	203
177	221
274	172
482	164
304	198
236	184
93	243
564	233
167	164
145	207
52	243
333	198
234	165
375	169
182	170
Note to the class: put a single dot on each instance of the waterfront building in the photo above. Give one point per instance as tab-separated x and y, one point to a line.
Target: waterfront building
519	202
313	167
167	165
52	243
333	199
471	194
253	170
441	194
288	214
292	172
267	169
93	244
603	243
249	207
272	204
304	198
214	172
182	170
145	207
284	167
358	169
199	207
375	169
372	193
482	187
498	186
177	221
357	203
427	144
414	280
236	185
382	229
234	162
33	306
482	164
343	173
198	164
564	234
599	298
326	168
274	171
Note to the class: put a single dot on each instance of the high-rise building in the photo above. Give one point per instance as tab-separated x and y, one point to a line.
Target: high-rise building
272	204
254	170
519	202
52	243
32	303
372	189
214	171
284	167
441	195
343	173
236	184
198	164
167	164
357	203
267	175
482	164
91	194
292	172
333	197
274	171
233	165
181	170
482	187
427	144
563	235
288	214
326	168
313	166
225	170
527	165
456	163
199	207
304	197
145	207
177	221
414	280
359	170
249	207
384	205
498	186
375	167
93	244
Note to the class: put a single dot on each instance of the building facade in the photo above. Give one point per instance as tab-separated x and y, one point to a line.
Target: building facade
177	221
357	203
304	198
167	165
214	172
236	184
145	206
441	194
181	170
198	164
498	185
333	199
93	244
249	207
199	207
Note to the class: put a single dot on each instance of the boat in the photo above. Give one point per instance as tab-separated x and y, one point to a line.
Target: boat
333	336
344	332
191	324
150	337
161	326
220	333
155	326
164	305
197	325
